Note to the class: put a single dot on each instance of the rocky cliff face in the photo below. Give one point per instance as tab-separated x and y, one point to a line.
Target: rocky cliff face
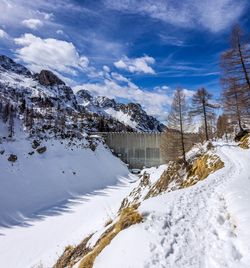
8	64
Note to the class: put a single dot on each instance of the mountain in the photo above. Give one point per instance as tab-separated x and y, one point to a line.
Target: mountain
131	114
52	106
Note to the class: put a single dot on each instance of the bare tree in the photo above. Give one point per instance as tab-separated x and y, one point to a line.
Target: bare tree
5	113
235	62
235	103
29	118
11	121
202	106
178	121
223	126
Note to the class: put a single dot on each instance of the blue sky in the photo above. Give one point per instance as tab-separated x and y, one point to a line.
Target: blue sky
130	50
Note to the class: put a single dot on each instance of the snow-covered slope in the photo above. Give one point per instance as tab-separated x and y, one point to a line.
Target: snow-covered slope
38	181
206	225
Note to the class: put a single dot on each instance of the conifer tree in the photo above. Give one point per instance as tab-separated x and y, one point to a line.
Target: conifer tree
235	103
202	106
235	64
178	121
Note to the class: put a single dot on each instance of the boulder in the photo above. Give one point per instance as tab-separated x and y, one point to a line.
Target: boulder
41	150
12	158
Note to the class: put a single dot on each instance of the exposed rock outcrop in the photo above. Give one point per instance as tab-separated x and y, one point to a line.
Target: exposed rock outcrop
47	78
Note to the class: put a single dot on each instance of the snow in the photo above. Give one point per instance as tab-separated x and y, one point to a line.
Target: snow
43	239
206	225
122	117
38	181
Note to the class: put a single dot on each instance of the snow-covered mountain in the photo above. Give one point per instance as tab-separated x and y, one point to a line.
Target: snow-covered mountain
130	114
50	100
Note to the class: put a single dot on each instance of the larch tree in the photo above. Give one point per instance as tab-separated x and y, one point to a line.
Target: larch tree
11	121
235	64
178	121
223	126
203	107
235	103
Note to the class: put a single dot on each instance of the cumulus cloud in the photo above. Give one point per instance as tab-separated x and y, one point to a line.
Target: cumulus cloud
136	65
52	54
3	34
32	23
214	15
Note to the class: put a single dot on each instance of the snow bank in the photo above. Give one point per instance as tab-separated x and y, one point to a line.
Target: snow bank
39	181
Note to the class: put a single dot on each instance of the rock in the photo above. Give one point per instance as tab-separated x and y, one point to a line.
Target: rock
35	144
12	158
241	134
83	95
2	151
41	150
9	65
31	153
47	78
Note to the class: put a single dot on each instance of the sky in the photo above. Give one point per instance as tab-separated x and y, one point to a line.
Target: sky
129	50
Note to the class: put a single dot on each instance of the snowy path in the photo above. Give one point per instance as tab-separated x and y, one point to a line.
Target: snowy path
199	229
201	226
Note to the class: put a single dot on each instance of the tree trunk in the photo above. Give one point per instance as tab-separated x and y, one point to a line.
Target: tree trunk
205	118
243	63
182	136
238	111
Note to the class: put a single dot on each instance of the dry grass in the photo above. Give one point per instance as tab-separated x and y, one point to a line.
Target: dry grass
173	173
245	142
72	255
201	168
198	169
134	197
128	216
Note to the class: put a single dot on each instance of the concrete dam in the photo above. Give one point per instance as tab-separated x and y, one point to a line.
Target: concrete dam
138	150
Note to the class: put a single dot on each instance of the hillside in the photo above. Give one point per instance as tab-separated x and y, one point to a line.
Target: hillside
197	218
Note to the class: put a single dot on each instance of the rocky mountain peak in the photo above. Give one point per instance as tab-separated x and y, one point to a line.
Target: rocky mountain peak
9	65
47	78
105	102
84	95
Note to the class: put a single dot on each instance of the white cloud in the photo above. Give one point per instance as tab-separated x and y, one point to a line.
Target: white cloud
136	65
32	23
3	34
106	68
155	103
188	93
214	15
60	32
53	54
